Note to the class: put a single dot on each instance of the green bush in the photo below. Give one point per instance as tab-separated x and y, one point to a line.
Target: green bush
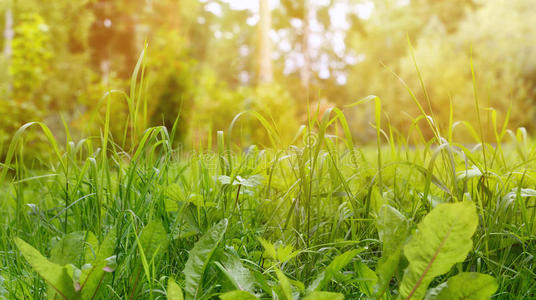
31	55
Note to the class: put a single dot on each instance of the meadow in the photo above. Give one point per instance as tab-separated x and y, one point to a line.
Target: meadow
233	158
319	219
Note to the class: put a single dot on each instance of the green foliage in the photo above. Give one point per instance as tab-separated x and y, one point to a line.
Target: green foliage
470	286
234	257
15	114
316	295
276	105
199	258
284	285
446	36
65	279
59	277
210	115
202	64
153	240
237	295
3	291
171	86
335	266
367	279
31	56
443	238
278	252
104	262
393	230
174	292
240	277
74	248
335	211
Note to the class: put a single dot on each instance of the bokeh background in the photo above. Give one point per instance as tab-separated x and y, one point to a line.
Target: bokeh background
212	59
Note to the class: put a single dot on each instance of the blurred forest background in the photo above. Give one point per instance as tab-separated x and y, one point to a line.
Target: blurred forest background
211	59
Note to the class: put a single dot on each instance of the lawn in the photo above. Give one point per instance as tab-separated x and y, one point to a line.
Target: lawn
323	219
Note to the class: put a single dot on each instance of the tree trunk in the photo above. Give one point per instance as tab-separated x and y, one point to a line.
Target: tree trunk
305	73
264	43
8	34
8	38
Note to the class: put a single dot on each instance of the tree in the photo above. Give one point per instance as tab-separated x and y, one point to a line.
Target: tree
265	44
305	72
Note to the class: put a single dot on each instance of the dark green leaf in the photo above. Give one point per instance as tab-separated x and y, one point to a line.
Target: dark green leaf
199	259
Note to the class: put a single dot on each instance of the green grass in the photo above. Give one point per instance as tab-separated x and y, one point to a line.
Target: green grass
147	220
308	203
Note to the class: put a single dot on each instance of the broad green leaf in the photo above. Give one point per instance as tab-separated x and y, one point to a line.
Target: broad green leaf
467	286
298	284
55	275
232	268
91	247
238	295
199	258
106	249
339	262
366	279
324	296
284	284
91	277
73	248
385	270
153	239
261	282
174	291
393	230
442	239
